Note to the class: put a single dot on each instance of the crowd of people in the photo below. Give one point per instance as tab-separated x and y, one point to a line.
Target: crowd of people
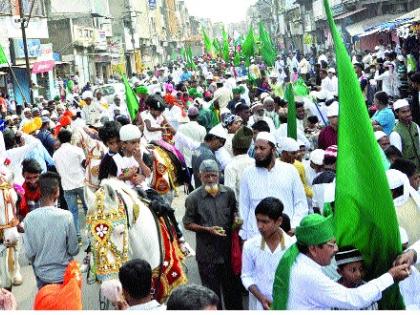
248	181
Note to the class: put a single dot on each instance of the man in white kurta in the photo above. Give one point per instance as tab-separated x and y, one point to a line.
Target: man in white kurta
262	253
270	177
241	142
300	283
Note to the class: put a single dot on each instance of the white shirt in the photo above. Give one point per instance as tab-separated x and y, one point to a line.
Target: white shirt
304	66
416	247
396	141
259	266
330	85
154	123
192	131
68	161
388	81
173	116
153	305
223	95
282	182
92	113
311	289
410	290
234	171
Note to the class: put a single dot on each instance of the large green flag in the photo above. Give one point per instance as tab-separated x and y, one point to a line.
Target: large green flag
131	99
225	45
291	112
208	46
267	49
364	210
189	58
3	58
249	43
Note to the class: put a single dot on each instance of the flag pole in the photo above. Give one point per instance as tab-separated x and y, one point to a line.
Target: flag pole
17	82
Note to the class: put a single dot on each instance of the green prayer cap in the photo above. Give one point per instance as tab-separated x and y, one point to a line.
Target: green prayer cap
192	92
236	91
141	89
242	138
315	229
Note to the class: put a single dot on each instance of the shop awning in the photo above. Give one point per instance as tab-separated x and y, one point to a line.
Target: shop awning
347	14
361	28
413	16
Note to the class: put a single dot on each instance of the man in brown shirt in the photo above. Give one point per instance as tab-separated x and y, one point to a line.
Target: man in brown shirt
210	212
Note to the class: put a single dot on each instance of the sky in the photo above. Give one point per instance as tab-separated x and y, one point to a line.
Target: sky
227	11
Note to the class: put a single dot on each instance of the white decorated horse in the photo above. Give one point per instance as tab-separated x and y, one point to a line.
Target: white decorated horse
9	264
122	227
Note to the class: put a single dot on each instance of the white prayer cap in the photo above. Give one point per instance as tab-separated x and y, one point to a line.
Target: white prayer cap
329	192
87	94
379	135
224	110
209	76
268	99
400	57
395	178
255	105
400	104
403	236
264	95
219	131
288	145
332	70
129	132
317	156
301	143
376	47
45	113
332	110
266	136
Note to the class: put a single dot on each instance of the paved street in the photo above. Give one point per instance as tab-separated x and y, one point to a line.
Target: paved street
25	293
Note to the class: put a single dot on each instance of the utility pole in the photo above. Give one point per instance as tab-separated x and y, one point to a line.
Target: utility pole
22	21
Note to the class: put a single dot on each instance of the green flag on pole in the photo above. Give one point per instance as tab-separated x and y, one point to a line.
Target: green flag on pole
131	99
3	58
208	45
225	45
291	112
364	210
249	43
267	49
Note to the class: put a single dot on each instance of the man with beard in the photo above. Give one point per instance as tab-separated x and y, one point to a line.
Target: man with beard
210	212
270	178
258	113
31	170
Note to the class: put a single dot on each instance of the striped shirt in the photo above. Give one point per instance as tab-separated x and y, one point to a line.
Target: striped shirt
50	242
281	182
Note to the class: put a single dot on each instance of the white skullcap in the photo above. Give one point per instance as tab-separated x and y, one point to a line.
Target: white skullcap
403	236
87	94
400	104
395	178
268	99
332	70
400	58
289	145
219	131
379	135
332	110
266	136
224	110
264	95
129	132
45	113
317	156
255	105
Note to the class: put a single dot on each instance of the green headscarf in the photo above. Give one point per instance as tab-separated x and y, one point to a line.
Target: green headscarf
314	229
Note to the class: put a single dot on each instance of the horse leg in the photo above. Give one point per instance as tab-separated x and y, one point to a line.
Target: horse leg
17	278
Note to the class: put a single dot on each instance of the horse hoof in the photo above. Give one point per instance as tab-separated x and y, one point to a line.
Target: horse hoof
17	280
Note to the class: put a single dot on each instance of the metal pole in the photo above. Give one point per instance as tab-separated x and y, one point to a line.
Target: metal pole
25	50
